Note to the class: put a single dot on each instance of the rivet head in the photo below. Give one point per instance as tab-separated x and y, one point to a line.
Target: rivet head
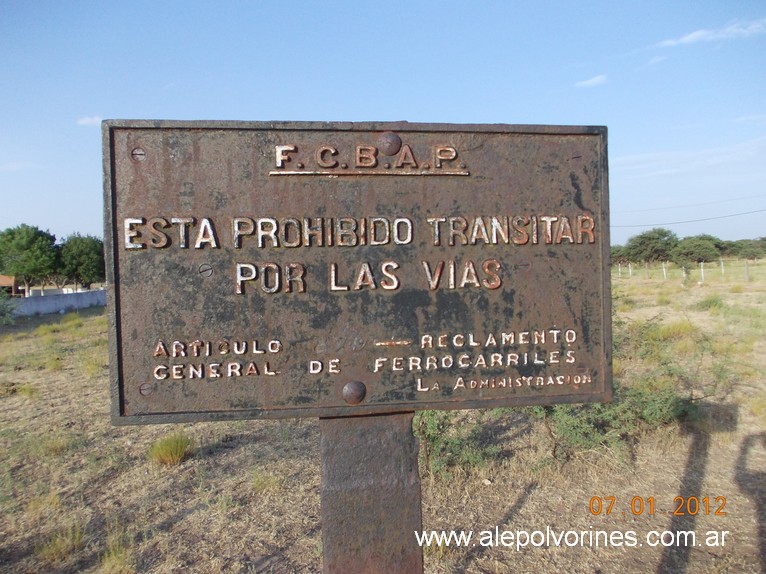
354	392
389	143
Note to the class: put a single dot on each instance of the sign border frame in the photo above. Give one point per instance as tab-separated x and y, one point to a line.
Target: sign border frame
111	245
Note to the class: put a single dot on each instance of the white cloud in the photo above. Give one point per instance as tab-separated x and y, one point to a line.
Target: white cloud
733	157
734	30
89	121
592	82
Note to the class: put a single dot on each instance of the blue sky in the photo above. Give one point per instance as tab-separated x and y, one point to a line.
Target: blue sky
680	85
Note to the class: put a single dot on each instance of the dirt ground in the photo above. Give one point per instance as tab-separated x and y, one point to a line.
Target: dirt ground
80	495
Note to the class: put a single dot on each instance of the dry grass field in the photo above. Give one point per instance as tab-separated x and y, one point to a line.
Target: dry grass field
689	421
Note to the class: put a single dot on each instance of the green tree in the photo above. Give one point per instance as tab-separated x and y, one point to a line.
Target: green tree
719	244
695	250
746	249
653	245
57	276
82	259
750	252
27	253
618	254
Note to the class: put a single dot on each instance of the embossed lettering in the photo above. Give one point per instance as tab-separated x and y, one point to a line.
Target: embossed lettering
273	277
366	156
283	153
443	153
323	156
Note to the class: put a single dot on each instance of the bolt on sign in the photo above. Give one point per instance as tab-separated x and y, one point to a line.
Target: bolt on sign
337	269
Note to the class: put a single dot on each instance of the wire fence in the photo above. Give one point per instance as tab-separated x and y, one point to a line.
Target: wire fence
723	271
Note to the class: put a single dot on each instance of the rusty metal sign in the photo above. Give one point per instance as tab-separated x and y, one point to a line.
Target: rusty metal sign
309	269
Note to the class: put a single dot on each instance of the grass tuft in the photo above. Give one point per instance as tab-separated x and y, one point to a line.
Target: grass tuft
54	363
625	304
677	330
117	559
45	505
71	322
44	330
62	544
27	391
446	446
713	303
263	482
53	444
172	449
93	365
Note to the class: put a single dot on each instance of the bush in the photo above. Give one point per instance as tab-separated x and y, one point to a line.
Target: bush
695	249
7	307
617	425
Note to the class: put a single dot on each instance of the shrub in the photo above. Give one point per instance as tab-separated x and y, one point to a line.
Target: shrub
7	308
650	403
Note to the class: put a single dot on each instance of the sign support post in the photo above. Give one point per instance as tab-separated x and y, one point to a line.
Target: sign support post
370	495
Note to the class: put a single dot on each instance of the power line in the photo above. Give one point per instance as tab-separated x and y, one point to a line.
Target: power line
694	204
692	220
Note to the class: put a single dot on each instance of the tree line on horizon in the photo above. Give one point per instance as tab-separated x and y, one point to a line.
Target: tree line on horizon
34	257
662	245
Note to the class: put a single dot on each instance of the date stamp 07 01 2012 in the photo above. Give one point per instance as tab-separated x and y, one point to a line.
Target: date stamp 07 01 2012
639	506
